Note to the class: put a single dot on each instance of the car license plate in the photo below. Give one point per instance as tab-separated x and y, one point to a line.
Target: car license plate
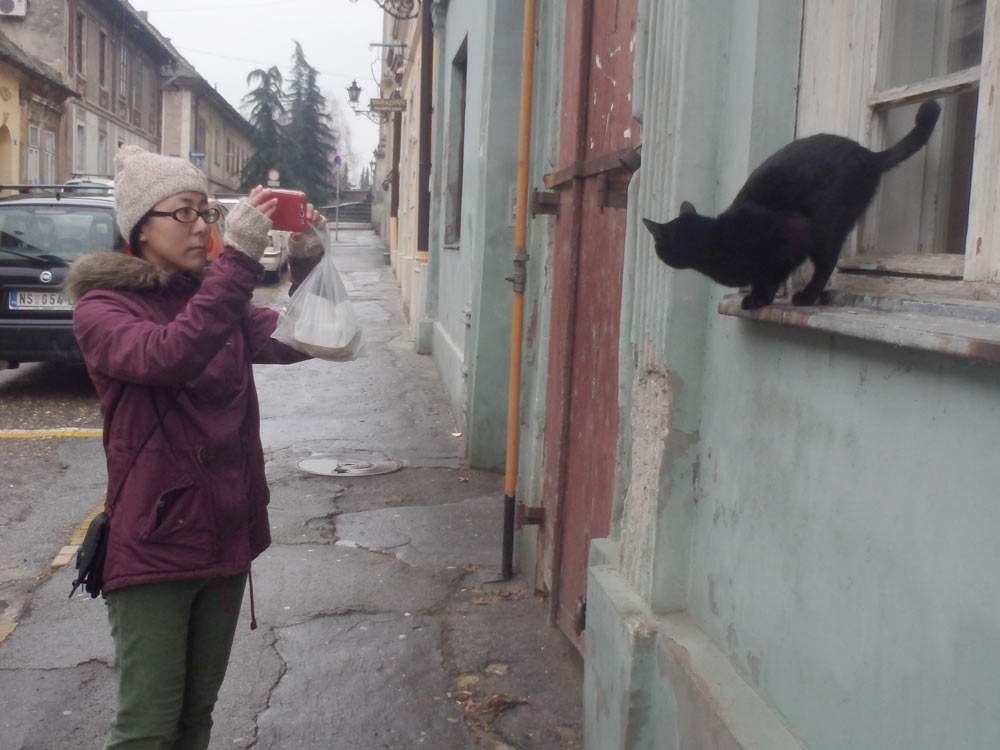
37	300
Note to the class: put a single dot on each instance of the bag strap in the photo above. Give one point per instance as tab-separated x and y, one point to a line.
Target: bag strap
112	499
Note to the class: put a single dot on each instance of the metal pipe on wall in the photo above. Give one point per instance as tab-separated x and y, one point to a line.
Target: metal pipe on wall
518	278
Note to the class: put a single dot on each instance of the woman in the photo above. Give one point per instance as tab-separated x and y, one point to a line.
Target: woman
170	354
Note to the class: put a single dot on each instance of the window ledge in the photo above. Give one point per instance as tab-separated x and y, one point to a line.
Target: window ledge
452	246
959	327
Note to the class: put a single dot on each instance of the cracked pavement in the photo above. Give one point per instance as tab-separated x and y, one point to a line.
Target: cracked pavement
381	623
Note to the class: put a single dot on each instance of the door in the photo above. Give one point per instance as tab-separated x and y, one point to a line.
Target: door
582	391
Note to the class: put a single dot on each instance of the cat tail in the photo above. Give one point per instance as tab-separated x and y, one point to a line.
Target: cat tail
913	141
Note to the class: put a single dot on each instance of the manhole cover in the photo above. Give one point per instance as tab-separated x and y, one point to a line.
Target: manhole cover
348	467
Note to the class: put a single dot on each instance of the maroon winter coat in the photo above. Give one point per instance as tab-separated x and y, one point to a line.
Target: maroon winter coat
194	503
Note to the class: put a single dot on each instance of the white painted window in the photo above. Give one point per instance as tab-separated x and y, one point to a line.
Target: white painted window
49	157
865	69
34	152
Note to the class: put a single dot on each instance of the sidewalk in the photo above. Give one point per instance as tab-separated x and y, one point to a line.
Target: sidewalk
381	623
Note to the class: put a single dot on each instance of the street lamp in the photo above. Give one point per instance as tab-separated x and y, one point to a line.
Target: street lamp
353	94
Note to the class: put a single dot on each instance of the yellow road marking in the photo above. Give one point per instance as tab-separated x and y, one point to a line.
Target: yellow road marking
75	540
6	628
58	432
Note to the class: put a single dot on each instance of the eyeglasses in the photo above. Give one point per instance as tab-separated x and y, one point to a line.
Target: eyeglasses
188	215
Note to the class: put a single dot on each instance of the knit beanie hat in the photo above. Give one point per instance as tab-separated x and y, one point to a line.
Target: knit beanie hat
143	179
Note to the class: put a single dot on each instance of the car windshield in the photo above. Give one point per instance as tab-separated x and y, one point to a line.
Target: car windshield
55	232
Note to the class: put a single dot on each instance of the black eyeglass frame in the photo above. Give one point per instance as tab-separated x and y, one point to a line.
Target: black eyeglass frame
204	214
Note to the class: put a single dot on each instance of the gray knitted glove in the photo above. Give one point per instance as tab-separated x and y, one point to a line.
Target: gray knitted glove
310	243
246	230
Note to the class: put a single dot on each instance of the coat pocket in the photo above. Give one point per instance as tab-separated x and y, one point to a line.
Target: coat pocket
170	515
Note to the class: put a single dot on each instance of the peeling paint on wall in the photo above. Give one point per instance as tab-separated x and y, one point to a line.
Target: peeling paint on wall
652	400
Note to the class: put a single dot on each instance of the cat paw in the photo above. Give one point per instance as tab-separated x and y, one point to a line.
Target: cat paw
802	299
753	303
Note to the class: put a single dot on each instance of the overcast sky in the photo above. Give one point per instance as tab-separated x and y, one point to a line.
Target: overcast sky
226	39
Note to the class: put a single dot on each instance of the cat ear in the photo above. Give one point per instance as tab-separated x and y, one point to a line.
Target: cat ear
652	226
687	208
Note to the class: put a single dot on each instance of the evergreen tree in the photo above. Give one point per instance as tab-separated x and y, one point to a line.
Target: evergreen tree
268	140
312	140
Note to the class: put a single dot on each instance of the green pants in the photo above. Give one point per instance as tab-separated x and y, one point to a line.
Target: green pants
172	644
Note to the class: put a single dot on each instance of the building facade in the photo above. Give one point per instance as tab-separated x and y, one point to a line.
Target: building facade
131	87
198	124
32	99
112	59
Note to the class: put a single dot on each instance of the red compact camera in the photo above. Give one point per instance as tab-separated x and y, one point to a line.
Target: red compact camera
290	215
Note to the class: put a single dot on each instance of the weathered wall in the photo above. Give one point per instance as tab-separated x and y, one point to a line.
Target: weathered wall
468	300
804	534
10	123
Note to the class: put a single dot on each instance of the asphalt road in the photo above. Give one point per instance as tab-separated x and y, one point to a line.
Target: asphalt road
382	623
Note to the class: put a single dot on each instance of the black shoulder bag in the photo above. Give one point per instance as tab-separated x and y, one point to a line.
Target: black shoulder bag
90	555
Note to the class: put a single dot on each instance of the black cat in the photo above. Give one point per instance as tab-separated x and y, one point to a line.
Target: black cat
800	203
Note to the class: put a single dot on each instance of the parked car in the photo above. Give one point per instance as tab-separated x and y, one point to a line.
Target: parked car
88	184
40	235
275	258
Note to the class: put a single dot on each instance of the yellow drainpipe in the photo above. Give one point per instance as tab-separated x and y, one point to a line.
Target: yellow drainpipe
518	278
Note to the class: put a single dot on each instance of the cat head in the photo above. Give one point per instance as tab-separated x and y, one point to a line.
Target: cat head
678	242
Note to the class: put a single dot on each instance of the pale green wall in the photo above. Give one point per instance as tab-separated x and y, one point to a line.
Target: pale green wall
469	303
803	552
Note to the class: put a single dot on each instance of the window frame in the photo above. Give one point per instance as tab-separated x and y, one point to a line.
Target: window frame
33	166
48	149
123	72
80	148
982	244
137	74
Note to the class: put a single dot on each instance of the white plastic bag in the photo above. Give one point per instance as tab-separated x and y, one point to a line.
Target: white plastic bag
319	320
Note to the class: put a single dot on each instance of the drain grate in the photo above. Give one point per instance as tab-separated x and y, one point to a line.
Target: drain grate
348	467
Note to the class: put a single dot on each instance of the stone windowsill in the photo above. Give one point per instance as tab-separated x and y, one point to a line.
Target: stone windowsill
959	327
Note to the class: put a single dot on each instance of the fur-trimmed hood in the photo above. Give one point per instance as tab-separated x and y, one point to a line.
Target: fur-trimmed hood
112	271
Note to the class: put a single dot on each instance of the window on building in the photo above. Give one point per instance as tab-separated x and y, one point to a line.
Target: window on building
935	211
34	151
123	72
80	43
80	149
456	147
102	61
200	135
218	147
48	157
102	154
137	86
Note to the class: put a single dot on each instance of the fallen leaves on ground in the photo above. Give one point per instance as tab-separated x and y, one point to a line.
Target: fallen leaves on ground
482	711
494	597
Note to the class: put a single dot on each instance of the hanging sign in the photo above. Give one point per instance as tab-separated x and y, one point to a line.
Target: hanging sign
387	105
